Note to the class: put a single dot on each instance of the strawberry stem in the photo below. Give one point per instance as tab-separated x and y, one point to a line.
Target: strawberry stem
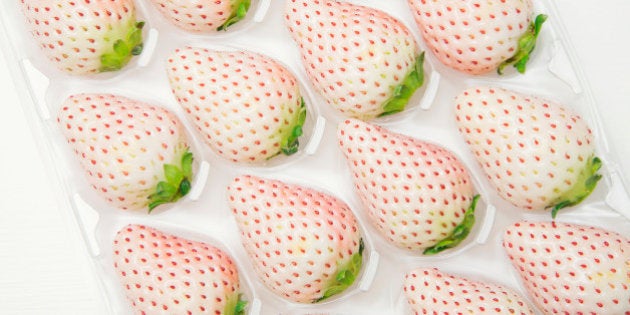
346	275
460	232
290	143
242	7
585	184
176	183
403	92
235	305
123	49
526	45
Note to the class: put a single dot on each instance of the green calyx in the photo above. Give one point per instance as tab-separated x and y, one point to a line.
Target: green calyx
176	184
123	49
235	305
460	232
290	143
526	45
404	91
242	6
346	275
585	184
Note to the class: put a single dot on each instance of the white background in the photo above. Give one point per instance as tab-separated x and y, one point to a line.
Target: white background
43	267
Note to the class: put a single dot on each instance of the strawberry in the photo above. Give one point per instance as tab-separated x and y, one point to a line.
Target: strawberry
571	269
167	274
305	245
134	154
536	153
477	37
364	62
417	194
85	37
247	106
431	291
205	16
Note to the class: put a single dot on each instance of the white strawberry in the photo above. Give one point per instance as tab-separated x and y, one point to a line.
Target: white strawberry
204	16
305	245
364	62
417	194
570	268
247	106
536	153
166	274
431	291
477	37
134	155
85	37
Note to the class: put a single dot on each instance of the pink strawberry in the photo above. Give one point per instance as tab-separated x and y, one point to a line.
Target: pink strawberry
134	154
536	153
364	62
305	245
205	16
430	291
84	37
417	194
247	106
571	269
166	274
477	37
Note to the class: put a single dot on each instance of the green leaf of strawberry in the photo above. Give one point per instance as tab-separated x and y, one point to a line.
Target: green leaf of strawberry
176	184
240	307
123	49
242	7
404	91
290	144
235	305
588	181
346	275
460	232
526	45
187	160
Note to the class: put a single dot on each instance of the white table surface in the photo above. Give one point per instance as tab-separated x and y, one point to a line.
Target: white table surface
43	266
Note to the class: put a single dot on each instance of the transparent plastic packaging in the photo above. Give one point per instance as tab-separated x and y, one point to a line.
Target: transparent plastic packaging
204	214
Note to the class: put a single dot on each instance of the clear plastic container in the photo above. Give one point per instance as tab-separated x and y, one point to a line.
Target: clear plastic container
204	214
